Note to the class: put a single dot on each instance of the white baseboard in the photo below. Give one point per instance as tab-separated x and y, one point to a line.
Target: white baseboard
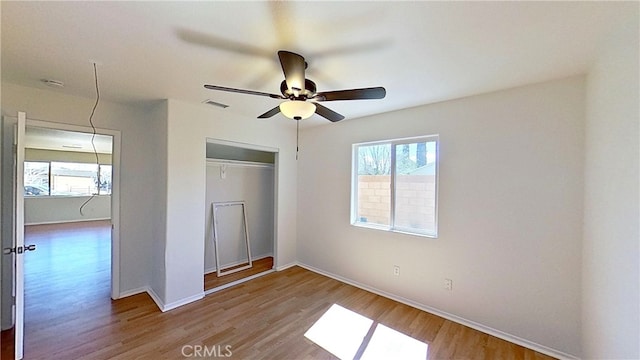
185	301
170	306
155	297
286	266
457	319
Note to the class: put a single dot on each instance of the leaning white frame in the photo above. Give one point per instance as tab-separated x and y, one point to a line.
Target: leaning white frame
249	265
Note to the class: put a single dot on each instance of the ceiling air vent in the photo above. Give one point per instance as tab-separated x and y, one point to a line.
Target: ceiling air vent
53	83
214	103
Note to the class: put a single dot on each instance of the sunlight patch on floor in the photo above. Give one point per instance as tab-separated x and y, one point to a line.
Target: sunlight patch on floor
345	334
387	343
340	331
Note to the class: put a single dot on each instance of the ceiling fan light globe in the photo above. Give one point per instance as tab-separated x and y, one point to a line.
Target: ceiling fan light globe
297	109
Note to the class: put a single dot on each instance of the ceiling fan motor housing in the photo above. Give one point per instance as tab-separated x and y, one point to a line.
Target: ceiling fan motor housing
308	93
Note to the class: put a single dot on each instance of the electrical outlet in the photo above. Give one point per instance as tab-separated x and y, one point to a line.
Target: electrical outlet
396	270
448	284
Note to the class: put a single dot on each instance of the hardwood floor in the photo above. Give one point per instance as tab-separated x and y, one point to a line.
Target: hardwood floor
6	344
263	318
261	265
68	274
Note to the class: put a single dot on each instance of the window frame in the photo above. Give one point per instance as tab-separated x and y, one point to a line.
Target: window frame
49	175
394	143
100	166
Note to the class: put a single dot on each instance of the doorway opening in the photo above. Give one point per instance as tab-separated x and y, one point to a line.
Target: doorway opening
73	178
71	196
240	242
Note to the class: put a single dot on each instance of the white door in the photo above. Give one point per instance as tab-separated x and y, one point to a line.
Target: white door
16	248
19	249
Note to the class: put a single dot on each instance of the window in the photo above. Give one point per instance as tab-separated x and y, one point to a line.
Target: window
74	178
105	179
66	179
36	178
394	185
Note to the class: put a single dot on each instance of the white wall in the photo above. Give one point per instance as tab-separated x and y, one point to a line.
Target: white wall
158	114
163	181
188	128
611	270
137	172
510	211
6	223
47	210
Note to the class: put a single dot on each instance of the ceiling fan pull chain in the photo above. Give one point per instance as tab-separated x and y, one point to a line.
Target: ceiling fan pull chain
297	132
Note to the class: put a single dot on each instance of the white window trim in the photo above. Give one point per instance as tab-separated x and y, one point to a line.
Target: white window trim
354	186
50	175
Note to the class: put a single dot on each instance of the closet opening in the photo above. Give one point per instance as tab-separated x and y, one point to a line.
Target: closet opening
240	210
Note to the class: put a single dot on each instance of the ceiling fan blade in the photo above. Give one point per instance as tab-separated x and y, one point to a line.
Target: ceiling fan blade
220	43
327	113
293	68
270	113
352	94
241	91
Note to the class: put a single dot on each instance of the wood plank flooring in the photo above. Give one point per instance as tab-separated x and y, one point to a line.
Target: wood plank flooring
6	344
265	318
212	280
69	273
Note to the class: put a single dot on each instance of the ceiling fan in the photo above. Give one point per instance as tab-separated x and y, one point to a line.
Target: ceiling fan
300	93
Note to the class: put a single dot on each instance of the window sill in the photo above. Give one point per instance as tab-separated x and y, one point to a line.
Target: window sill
62	196
388	229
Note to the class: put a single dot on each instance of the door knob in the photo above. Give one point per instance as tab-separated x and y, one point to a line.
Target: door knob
19	249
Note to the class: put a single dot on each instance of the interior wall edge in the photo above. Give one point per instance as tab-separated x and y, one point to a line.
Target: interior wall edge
155	297
287	266
131	292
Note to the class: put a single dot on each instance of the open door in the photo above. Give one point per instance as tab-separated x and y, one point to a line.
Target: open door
17	249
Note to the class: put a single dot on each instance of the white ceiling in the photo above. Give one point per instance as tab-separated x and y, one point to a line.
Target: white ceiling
422	52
